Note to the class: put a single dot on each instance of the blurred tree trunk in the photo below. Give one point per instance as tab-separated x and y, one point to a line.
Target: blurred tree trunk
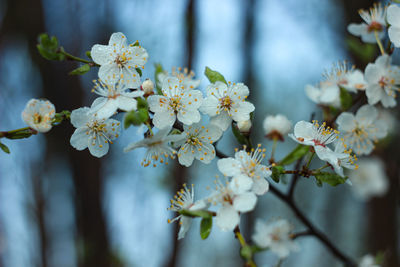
26	18
382	217
180	172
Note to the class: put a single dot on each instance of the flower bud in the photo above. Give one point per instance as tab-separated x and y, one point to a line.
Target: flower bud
148	87
39	114
244	126
276	127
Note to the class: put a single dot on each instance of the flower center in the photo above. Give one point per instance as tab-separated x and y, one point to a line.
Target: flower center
193	140
97	126
374	26
37	118
175	103
226	102
121	60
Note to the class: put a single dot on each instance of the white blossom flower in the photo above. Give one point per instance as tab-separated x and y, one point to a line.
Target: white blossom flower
362	130
276	127
118	60
38	114
228	216
113	97
276	236
375	23
227	102
92	132
187	77
184	200
175	103
393	18
158	147
246	171
147	87
313	134
340	76
368	261
341	158
383	81
370	179
197	143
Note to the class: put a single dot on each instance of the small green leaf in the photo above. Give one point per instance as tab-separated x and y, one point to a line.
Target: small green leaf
277	172
196	213
346	100
141	103
296	154
136	117
159	69
4	148
20	135
205	227
81	70
139	71
88	54
49	47
214	76
332	179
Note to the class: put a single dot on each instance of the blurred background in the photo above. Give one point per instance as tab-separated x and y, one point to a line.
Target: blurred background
61	207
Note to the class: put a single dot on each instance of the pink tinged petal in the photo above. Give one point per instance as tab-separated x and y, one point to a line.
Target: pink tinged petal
394	35
260	186
245	202
109	73
185	223
242	111
164	119
240	184
126	103
80	116
210	106
366	115
229	166
80	139
223	121
393	15
118	41
98	147
374	93
346	122
158	103
188	116
227	218
102	54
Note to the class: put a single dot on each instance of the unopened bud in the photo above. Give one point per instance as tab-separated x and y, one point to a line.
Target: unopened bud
148	87
244	126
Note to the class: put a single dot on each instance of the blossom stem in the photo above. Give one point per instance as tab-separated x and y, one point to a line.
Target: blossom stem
378	41
275	142
249	255
71	57
321	168
310	159
9	133
149	127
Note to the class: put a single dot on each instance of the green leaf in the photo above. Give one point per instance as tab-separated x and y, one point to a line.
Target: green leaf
20	134
81	70
214	76
49	47
365	52
240	137
346	100
4	148
136	117
141	103
296	154
139	71
332	179
205	227
196	213
277	172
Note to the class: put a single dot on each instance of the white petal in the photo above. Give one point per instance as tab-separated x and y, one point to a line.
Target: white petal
242	112
260	186
188	117
366	115
185	223
102	54
79	139
346	122
79	117
108	109
109	73
373	73
118	40
240	184
209	106
207	153
139	56
186	155
393	15
304	129
223	121
158	103
98	147
164	119
229	166
227	218
126	103
357	29
394	35
245	202
374	93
